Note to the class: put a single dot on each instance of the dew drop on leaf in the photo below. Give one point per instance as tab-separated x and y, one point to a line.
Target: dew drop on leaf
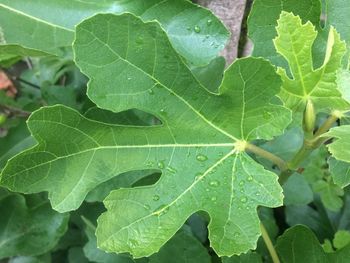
133	243
198	176
209	22
213	199
250	178
214	183
156	197
171	169
161	165
139	41
241	183
244	199
197	29
266	115
201	157
150	92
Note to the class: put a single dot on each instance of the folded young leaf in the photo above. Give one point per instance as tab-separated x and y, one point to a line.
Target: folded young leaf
294	42
299	244
28	231
48	25
199	148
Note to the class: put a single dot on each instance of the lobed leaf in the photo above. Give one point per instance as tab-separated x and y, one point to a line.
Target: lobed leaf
198	147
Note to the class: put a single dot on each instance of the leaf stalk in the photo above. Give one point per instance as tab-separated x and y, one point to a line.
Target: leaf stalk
269	244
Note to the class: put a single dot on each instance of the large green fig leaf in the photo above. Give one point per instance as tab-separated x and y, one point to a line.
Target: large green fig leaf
199	147
48	25
28	230
294	42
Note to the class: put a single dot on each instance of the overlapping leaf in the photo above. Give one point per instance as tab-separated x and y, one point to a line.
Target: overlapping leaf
294	42
299	244
47	26
198	147
28	231
340	147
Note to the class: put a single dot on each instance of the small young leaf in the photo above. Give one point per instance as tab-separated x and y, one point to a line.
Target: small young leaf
262	24
294	42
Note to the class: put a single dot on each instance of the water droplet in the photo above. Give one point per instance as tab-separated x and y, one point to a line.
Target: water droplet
162	111
266	115
241	183
197	29
250	178
171	169
161	165
198	176
139	40
201	157
209	22
214	183
147	207
207	189
189	28
149	164
236	234
244	199
133	242
129	78
257	194
207	36
150	92
156	197
213	198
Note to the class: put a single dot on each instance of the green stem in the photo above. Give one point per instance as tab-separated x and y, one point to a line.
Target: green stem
269	244
282	165
308	147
